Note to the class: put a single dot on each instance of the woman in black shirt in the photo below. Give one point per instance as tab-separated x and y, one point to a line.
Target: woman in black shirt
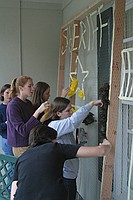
38	172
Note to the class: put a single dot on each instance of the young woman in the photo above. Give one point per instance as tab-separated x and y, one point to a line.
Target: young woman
41	94
61	118
21	115
5	98
45	179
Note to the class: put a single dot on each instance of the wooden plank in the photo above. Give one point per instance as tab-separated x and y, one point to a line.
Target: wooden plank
62	55
108	167
74	52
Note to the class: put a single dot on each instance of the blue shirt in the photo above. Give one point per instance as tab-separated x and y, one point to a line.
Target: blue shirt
3	119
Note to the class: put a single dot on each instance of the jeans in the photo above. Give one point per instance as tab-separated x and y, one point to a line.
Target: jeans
71	187
6	148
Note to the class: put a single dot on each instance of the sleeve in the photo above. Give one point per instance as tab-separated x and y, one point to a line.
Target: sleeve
15	118
69	150
3	125
69	124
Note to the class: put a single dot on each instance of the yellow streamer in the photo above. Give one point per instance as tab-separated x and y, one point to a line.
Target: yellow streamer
73	87
81	94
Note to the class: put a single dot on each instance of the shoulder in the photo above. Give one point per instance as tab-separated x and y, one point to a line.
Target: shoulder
15	100
12	103
55	124
28	101
2	107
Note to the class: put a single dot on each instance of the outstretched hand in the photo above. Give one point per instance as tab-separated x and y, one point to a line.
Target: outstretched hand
96	103
107	144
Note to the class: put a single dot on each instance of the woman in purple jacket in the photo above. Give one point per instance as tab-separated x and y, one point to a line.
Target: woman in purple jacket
21	115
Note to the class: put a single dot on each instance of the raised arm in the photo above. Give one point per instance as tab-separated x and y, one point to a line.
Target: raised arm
17	121
69	124
65	91
94	151
44	106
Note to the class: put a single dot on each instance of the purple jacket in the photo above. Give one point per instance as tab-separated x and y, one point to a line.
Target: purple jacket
20	121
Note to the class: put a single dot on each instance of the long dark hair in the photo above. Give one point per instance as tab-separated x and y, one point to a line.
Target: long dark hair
37	96
41	134
3	89
58	105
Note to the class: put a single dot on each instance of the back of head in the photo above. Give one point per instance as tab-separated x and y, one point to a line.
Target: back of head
41	134
3	89
16	82
58	105
37	97
13	91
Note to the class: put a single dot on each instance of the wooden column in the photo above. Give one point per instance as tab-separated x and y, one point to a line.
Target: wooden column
74	52
108	165
62	56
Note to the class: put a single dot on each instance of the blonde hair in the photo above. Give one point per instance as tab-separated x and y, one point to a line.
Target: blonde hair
16	82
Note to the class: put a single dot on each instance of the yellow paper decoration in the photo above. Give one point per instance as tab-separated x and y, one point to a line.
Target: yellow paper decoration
81	94
73	87
73	109
44	116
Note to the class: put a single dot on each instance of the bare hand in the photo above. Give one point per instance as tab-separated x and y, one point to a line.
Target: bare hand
96	103
65	91
105	142
44	106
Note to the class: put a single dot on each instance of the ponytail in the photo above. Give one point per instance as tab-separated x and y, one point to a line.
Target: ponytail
13	91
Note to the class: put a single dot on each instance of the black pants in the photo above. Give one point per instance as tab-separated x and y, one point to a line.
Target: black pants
71	187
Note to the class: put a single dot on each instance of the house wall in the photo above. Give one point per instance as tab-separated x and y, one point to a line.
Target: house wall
29	41
29	45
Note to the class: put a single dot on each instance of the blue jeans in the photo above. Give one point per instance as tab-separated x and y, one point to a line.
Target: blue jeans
6	148
71	188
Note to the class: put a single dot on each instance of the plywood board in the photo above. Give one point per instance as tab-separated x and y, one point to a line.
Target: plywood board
108	166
